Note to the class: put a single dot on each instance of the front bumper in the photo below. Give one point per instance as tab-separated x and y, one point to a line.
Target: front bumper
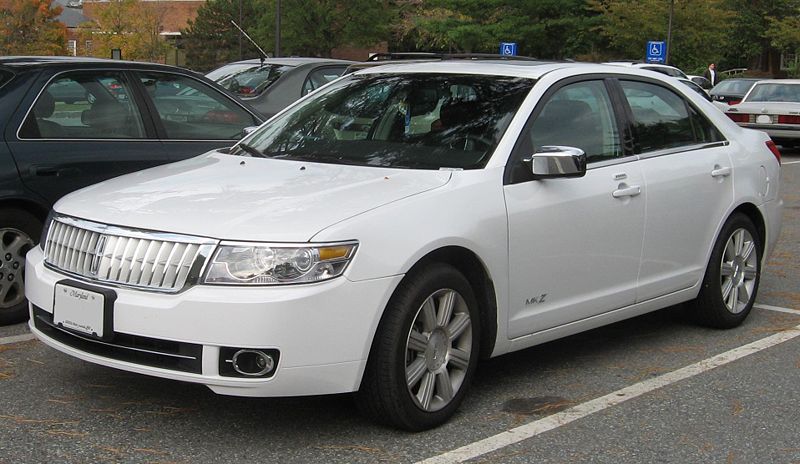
323	331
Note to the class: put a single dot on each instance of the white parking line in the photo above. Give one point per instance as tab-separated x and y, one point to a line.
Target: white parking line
16	339
790	162
580	411
777	308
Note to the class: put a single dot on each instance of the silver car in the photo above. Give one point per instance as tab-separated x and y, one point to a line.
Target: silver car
772	106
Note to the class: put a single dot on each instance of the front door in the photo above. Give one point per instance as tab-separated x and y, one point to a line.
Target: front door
574	244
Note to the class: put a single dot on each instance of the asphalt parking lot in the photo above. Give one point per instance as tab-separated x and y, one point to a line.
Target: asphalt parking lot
652	389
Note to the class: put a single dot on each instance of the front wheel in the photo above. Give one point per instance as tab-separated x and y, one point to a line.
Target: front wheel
424	353
19	232
732	276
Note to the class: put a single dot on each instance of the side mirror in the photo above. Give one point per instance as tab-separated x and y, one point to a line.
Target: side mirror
553	162
248	130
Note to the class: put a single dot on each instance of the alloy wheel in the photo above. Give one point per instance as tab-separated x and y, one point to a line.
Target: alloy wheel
739	270
14	244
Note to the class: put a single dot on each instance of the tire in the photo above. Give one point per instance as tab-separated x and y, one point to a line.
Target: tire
732	277
19	232
419	368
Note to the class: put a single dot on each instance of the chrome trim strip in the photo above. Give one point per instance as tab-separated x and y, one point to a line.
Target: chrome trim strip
683	149
130	232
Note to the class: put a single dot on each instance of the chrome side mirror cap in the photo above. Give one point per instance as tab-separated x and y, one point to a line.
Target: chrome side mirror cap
556	161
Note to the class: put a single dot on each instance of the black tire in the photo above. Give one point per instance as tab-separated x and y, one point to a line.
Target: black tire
19	232
385	395
732	277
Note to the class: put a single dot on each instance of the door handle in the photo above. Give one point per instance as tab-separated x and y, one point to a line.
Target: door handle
52	171
721	172
627	192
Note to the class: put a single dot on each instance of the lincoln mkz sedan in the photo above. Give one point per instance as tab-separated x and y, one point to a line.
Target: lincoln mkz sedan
387	231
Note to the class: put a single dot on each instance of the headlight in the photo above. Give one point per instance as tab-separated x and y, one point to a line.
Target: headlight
273	264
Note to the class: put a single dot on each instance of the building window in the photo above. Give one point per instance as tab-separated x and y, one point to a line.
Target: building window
88	47
72	47
789	61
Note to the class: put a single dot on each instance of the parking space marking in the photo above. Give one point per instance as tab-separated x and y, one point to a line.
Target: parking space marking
777	308
16	339
790	162
532	429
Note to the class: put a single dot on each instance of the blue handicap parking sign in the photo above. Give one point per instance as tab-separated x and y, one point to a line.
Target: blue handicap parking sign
508	48
656	52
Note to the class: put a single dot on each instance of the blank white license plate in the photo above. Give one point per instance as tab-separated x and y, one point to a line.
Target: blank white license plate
764	119
79	310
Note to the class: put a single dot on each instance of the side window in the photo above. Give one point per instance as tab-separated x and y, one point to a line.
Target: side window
191	110
579	115
321	76
660	117
85	105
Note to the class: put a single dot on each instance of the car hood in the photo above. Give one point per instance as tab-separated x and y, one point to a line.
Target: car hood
766	107
237	198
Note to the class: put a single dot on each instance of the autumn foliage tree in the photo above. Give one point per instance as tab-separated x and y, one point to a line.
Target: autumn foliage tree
133	26
29	27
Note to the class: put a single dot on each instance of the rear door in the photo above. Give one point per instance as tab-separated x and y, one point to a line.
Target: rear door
689	176
78	128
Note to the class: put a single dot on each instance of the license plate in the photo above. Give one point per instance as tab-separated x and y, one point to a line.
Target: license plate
764	119
79	310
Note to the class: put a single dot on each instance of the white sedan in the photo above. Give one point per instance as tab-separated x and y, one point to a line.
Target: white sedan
384	233
772	106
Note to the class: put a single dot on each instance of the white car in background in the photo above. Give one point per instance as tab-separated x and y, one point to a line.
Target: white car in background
772	106
385	232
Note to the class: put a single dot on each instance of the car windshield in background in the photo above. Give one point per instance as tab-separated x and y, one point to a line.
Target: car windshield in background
774	93
423	121
247	80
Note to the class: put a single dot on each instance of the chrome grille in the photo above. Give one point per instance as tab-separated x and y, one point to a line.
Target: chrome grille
148	260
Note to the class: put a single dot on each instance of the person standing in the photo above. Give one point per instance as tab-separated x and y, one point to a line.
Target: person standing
711	74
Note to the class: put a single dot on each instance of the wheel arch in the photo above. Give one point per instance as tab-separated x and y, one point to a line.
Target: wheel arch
471	266
37	209
754	214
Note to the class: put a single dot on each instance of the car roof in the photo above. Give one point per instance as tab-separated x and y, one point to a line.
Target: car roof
779	81
291	61
510	68
30	62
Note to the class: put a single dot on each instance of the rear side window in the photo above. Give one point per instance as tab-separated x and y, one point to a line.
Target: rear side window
321	76
663	119
85	105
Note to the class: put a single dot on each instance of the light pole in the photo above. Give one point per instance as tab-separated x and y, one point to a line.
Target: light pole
669	30
240	34
277	28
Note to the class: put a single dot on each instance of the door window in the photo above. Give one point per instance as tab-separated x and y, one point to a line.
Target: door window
191	110
579	115
662	119
85	105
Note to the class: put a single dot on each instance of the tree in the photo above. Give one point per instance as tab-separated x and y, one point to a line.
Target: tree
30	27
752	32
542	28
316	27
700	29
133	26
211	40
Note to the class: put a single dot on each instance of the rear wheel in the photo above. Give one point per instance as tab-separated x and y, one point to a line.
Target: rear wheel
19	232
424	353
732	276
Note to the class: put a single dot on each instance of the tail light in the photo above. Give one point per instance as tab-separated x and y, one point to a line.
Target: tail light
788	119
774	149
734	102
739	117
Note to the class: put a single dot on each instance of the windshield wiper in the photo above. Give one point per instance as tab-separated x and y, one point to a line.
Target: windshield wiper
251	150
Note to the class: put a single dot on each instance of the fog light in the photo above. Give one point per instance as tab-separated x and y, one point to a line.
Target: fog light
252	363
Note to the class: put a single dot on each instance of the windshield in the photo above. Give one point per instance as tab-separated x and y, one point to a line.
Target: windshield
774	93
423	121
735	86
247	79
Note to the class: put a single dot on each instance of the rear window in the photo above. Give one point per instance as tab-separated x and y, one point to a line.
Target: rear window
247	80
774	93
734	86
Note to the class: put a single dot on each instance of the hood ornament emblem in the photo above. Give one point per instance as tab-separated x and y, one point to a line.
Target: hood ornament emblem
99	249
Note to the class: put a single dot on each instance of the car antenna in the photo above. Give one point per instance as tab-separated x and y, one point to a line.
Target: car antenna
264	55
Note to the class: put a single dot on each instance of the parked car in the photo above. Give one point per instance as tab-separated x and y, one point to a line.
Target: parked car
696	87
272	84
772	106
660	68
731	91
387	231
71	122
704	83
